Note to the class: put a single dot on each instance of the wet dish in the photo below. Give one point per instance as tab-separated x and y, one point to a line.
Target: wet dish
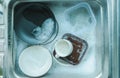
35	61
35	24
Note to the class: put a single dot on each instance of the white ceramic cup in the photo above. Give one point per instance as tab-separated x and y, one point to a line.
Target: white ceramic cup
63	48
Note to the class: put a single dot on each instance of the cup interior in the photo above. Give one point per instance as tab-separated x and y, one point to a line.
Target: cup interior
63	47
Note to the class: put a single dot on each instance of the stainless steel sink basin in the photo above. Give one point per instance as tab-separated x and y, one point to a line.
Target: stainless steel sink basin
101	55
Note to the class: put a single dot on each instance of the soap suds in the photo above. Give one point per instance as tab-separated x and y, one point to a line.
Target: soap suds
82	30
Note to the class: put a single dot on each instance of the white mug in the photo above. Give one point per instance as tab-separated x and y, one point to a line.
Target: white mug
63	48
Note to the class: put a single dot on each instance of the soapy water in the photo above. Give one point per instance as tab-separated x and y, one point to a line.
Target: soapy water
75	24
74	16
44	31
80	25
80	16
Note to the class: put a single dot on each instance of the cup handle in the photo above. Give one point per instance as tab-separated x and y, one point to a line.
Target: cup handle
57	56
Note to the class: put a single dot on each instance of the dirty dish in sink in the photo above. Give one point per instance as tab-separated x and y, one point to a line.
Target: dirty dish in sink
35	24
35	61
79	49
63	48
80	15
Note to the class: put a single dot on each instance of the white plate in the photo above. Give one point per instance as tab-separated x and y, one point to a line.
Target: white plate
35	61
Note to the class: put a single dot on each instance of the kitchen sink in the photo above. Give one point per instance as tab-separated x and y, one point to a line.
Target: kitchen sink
90	20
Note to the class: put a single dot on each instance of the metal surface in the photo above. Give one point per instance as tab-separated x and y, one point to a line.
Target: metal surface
2	38
113	12
107	15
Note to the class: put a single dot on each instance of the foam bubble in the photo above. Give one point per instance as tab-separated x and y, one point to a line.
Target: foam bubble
44	31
